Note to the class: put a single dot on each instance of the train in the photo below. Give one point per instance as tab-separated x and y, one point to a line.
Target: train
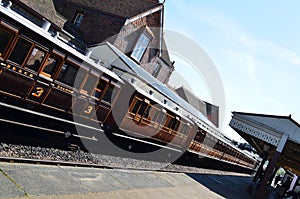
44	75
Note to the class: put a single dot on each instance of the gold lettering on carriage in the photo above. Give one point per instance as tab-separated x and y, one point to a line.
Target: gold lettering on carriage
38	93
88	110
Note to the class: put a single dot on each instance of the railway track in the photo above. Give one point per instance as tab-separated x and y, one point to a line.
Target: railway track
15	153
10	153
52	162
44	141
169	168
31	135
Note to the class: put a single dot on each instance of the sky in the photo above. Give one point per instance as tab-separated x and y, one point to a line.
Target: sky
255	47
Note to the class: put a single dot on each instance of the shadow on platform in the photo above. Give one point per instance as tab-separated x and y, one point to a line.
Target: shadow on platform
227	186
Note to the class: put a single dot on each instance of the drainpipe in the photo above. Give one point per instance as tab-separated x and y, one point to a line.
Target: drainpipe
161	28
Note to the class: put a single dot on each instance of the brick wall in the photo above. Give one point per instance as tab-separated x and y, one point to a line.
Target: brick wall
123	8
95	27
130	33
98	26
95	32
36	10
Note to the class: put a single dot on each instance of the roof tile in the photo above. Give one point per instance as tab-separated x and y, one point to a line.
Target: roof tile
122	8
46	9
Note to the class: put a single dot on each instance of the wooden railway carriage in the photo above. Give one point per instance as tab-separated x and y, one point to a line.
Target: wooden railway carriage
39	68
218	148
149	118
40	74
143	110
155	111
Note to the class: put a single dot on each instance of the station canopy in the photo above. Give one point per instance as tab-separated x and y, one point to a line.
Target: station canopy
264	133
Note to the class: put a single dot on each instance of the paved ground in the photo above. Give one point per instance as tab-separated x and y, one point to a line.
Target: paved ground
39	181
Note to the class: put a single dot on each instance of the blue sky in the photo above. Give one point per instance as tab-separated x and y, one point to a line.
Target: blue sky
255	46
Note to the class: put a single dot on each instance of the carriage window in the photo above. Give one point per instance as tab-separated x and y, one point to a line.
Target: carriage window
198	137
136	106
69	73
20	51
110	94
203	135
158	116
175	124
79	77
5	39
35	60
170	121
100	87
90	83
50	66
155	114
142	108
184	129
161	119
147	111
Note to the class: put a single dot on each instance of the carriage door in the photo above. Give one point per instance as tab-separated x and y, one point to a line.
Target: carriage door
21	66
45	77
7	38
63	89
85	105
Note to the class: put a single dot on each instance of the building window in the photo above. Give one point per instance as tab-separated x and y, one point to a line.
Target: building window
78	19
140	47
156	70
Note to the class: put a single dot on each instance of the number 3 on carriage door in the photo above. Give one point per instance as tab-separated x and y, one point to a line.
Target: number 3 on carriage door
38	92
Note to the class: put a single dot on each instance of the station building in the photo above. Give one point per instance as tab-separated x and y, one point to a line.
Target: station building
277	140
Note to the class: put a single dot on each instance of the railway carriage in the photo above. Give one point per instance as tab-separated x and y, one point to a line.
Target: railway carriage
219	149
142	115
38	68
39	71
43	75
154	110
148	118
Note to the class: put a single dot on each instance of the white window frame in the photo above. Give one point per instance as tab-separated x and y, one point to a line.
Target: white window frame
141	46
78	19
156	69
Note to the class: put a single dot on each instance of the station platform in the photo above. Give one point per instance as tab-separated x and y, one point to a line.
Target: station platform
61	182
